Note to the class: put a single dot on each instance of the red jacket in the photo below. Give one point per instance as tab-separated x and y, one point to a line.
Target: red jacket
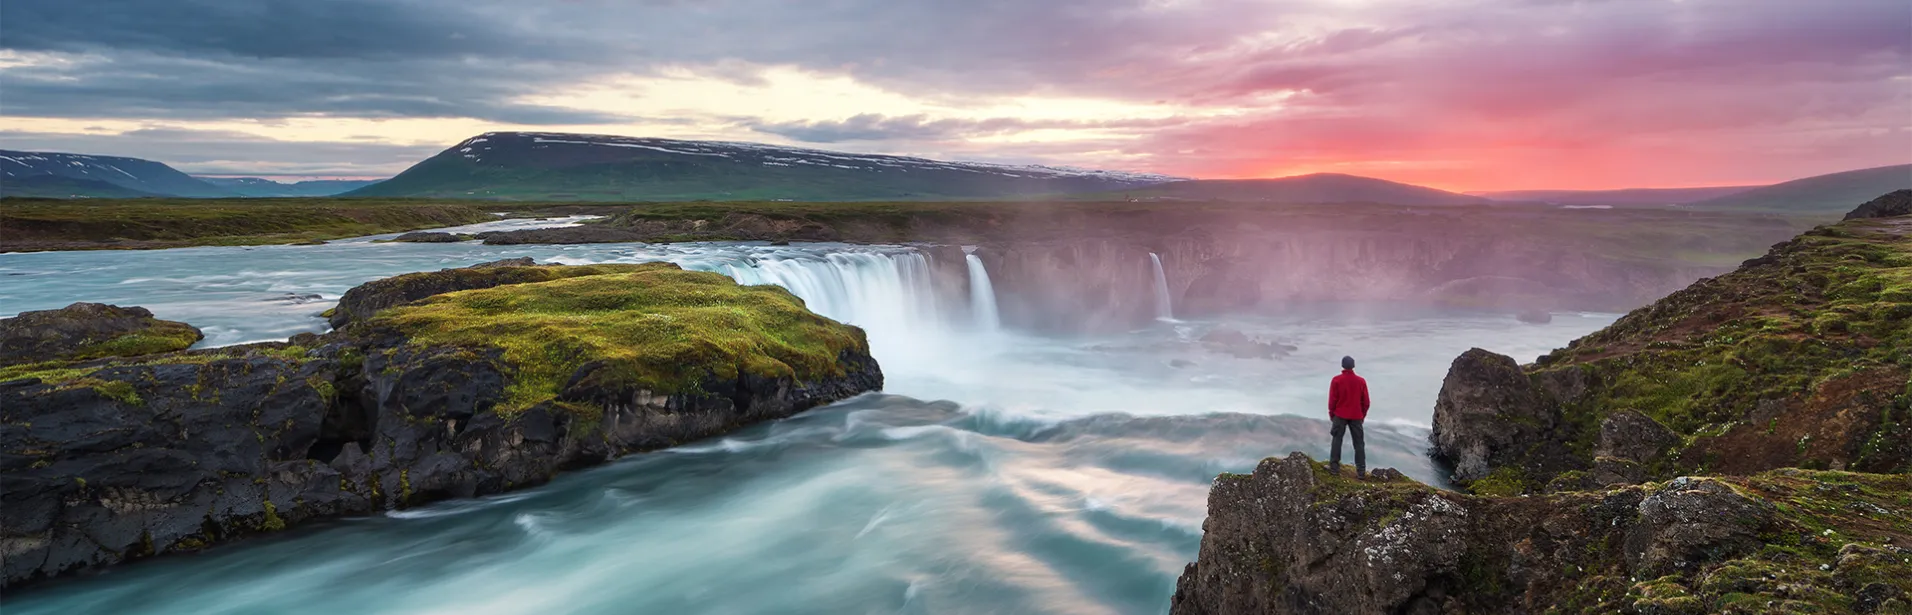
1348	397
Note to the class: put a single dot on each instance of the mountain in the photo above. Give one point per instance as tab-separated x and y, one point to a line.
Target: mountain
62	187
530	165
1630	196
261	187
130	173
1831	194
1315	188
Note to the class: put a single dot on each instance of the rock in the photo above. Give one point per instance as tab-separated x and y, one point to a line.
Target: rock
1635	437
1693	520
1895	203
110	462
432	237
1535	317
1293	538
1180	363
588	233
89	331
366	299
297	298
1489	415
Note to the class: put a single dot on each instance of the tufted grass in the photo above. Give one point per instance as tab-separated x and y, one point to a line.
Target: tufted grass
652	326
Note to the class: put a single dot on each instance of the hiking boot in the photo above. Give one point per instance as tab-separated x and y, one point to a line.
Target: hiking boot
1360	474
1334	468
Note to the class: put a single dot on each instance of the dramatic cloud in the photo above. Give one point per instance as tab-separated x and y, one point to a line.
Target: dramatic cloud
1473	94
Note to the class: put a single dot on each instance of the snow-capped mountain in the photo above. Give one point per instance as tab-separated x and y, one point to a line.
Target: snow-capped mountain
602	167
134	174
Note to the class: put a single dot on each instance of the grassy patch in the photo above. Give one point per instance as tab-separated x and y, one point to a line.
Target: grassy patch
652	326
44	224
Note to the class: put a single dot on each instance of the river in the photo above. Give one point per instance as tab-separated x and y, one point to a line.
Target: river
1001	471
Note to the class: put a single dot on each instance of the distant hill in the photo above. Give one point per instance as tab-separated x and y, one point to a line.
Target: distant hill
62	187
1831	194
530	165
142	176
1316	188
1631	196
262	187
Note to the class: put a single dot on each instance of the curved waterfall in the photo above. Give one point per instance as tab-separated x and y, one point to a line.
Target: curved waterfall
982	296
1164	309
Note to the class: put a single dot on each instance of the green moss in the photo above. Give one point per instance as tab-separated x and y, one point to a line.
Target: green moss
1503	481
653	327
117	390
166	223
160	336
272	522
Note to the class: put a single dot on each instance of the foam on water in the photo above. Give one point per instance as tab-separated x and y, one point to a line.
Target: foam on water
1053	476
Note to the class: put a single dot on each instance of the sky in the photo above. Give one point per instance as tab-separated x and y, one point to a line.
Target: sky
1461	95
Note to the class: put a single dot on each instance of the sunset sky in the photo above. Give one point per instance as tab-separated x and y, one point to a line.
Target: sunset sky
1468	95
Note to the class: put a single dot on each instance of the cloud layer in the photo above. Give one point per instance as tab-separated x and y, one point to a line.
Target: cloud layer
1467	95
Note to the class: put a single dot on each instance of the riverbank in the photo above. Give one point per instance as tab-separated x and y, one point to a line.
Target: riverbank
37	225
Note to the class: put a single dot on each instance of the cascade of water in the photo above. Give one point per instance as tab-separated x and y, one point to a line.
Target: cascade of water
1164	310
889	295
982	296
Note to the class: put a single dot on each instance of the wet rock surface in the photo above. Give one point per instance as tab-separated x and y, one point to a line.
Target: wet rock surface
432	237
176	452
363	300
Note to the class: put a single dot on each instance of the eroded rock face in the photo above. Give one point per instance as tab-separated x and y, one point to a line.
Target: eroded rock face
89	330
1293	538
432	237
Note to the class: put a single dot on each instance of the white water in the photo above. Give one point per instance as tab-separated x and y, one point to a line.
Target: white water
1009	473
982	296
1164	309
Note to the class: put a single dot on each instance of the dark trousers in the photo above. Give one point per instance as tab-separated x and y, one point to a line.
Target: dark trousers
1360	449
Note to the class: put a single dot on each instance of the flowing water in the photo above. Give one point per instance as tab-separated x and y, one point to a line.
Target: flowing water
999	472
1164	305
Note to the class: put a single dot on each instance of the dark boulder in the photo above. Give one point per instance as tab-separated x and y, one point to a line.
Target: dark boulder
1489	415
1237	344
89	331
1895	203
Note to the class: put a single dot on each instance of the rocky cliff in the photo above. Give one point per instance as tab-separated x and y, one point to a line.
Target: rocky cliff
1698	456
1293	538
438	395
1797	359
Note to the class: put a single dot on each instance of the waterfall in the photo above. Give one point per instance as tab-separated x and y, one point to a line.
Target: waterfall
889	295
982	296
1164	310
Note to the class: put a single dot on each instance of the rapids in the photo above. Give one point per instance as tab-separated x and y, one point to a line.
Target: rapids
1001	471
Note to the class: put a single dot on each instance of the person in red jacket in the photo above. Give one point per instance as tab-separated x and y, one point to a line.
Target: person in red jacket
1347	407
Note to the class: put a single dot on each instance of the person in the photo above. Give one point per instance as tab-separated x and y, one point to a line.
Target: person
1347	407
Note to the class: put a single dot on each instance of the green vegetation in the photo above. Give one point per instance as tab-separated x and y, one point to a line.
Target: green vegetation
76	372
159	336
1820	325
40	224
652	327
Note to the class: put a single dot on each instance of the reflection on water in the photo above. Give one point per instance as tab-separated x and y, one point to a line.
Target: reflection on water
1058	476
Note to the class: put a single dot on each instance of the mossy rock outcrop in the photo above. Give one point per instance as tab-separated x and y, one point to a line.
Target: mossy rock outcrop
1800	358
1294	538
526	372
89	331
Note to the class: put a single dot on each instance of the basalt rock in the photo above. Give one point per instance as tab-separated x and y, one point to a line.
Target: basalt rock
1294	538
88	331
112	460
1489	415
